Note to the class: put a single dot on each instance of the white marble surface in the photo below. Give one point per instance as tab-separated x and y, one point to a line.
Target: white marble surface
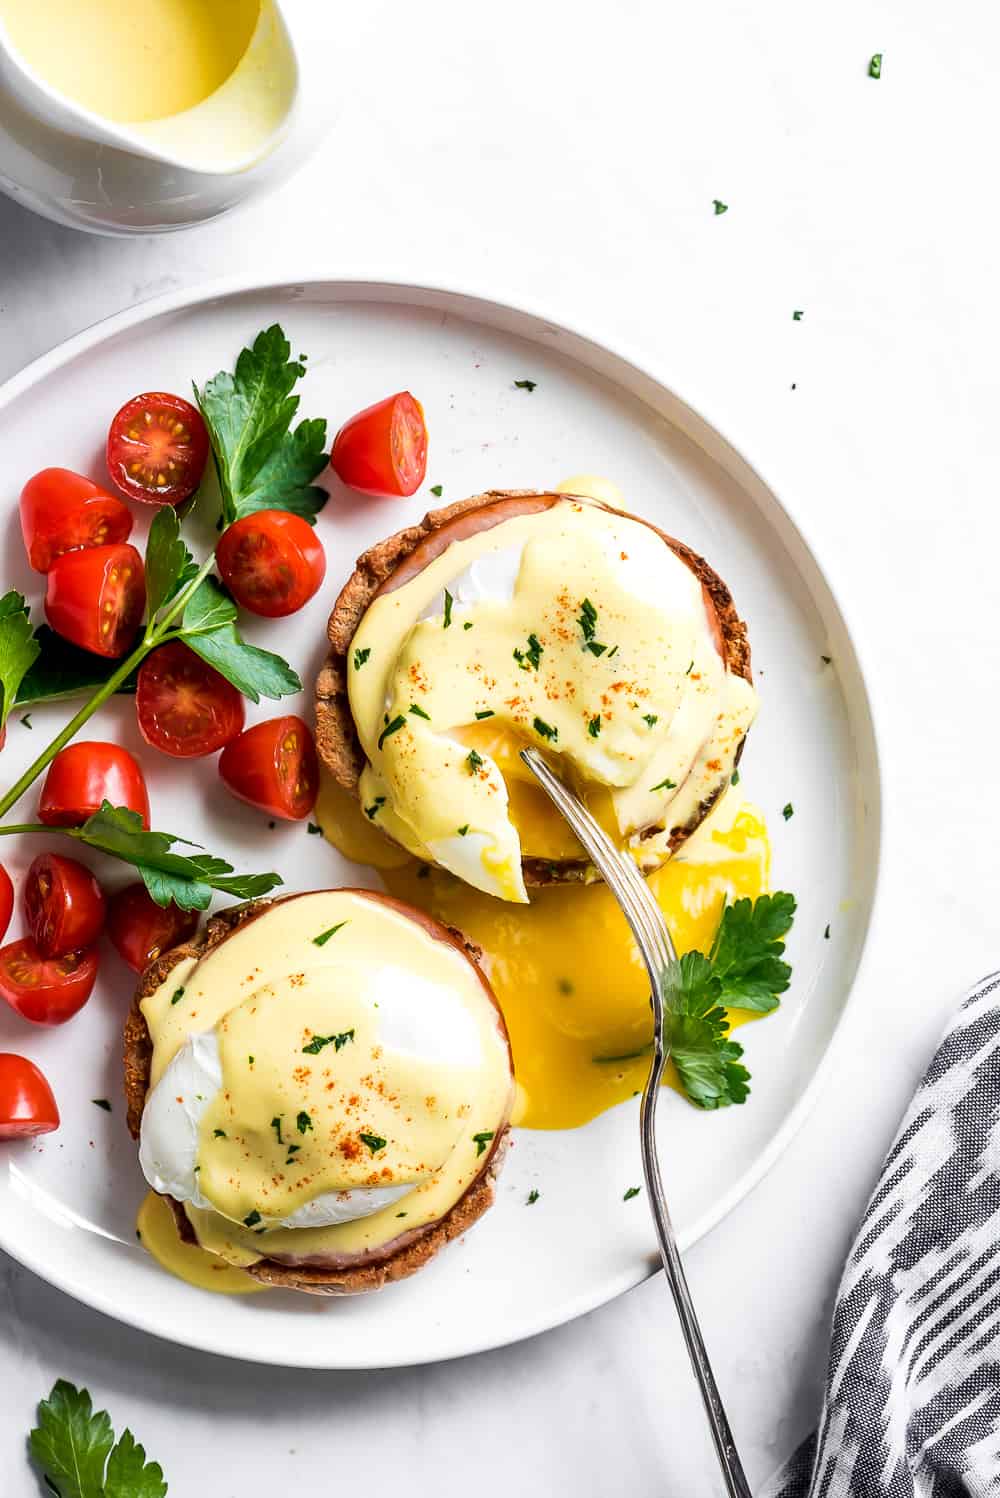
569	155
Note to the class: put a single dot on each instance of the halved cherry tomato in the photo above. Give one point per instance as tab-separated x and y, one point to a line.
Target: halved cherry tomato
47	991
63	511
83	775
63	905
158	448
383	450
272	562
96	597
6	901
27	1106
273	766
140	929
185	708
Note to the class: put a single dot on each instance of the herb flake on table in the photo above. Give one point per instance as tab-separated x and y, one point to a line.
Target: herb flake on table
528	385
719	206
875	65
631	1192
788	811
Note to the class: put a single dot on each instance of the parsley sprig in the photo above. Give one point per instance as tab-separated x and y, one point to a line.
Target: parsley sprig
743	970
74	1447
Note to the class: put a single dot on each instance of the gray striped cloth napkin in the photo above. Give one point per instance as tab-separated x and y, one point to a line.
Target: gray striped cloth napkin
912	1402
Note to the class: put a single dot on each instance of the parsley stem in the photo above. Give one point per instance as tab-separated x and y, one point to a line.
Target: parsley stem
62	738
156	631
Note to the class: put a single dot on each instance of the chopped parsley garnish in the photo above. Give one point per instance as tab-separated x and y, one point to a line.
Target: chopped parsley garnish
375	1142
875	66
324	936
418	711
564	986
467	624
650	718
360	656
397	723
219	1134
788	811
101	1102
474	761
827	659
612	652
319	1041
489	713
372	811
481	1140
594	726
250	1060
276	1126
689	669
595	647
26	720
463	829
437	490
719	206
448	601
533	1196
293	1150
632	1191
665	785
797	316
826	934
545	730
734	778
313	830
528	385
252	1219
532	657
588	619
401	1214
177	995
303	1123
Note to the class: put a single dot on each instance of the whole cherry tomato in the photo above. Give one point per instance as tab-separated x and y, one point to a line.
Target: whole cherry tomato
158	448
63	511
185	708
47	991
140	929
6	901
63	905
27	1106
272	562
274	767
96	597
383	450
84	775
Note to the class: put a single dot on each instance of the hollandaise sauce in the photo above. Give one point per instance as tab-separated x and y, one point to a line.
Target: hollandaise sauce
565	968
132	60
157	1232
325	1081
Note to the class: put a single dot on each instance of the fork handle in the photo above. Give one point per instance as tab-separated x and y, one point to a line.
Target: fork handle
722	1435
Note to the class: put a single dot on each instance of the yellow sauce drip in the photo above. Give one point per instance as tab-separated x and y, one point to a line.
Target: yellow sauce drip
132	60
567	973
158	1234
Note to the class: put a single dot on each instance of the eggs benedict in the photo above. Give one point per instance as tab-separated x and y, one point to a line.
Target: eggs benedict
320	1087
540	618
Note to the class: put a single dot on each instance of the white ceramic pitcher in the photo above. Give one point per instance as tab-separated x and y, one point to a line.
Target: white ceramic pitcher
72	165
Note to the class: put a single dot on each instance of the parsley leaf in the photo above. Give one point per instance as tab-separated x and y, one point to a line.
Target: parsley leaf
707	1063
746	954
186	880
168	562
209	629
18	649
62	670
437	490
261	463
74	1447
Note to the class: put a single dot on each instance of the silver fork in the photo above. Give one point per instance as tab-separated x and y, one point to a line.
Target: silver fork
653	938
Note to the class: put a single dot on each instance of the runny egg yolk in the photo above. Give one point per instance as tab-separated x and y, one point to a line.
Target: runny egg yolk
565	968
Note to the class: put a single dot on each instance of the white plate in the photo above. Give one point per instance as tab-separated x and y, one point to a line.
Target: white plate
68	1202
